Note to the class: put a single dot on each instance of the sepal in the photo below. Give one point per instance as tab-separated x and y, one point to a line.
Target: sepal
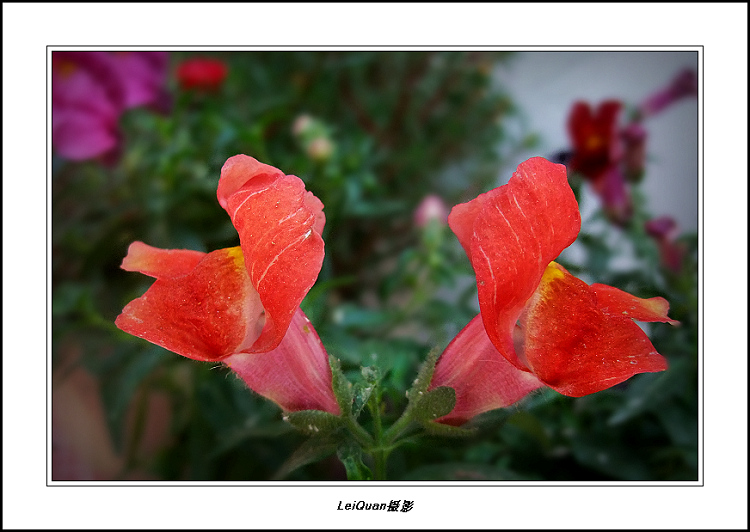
434	404
342	388
314	422
440	429
424	376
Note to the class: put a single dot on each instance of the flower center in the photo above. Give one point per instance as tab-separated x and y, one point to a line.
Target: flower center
66	69
594	142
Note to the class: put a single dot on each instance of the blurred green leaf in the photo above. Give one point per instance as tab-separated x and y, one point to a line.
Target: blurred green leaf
313	450
351	456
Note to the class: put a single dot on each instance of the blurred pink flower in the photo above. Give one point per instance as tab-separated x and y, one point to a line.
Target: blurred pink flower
615	196
87	100
665	231
634	152
90	90
82	444
683	85
142	75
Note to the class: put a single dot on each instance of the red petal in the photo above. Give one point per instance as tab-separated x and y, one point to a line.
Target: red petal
576	347
481	376
279	224
519	229
615	302
295	375
606	116
239	171
462	217
580	123
206	314
160	263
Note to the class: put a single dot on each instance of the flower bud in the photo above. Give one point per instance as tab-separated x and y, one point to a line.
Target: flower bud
301	125
204	74
320	149
432	207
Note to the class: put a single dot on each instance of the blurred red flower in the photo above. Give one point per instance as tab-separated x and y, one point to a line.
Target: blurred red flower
202	73
538	325
594	138
240	305
598	153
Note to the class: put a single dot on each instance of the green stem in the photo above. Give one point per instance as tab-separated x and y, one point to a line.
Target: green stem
360	434
398	427
381	457
379	454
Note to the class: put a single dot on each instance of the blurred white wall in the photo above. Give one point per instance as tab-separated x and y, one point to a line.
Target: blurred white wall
545	85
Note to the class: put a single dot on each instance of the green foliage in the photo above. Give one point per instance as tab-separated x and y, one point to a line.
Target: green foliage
400	125
351	456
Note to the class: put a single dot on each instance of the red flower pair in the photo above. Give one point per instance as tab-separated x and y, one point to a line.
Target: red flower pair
538	324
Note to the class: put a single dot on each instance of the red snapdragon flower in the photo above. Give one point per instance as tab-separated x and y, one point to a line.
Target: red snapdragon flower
538	325
202	73
240	306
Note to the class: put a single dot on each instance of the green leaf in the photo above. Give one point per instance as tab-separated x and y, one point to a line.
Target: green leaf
611	457
350	455
348	315
316	422
312	450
